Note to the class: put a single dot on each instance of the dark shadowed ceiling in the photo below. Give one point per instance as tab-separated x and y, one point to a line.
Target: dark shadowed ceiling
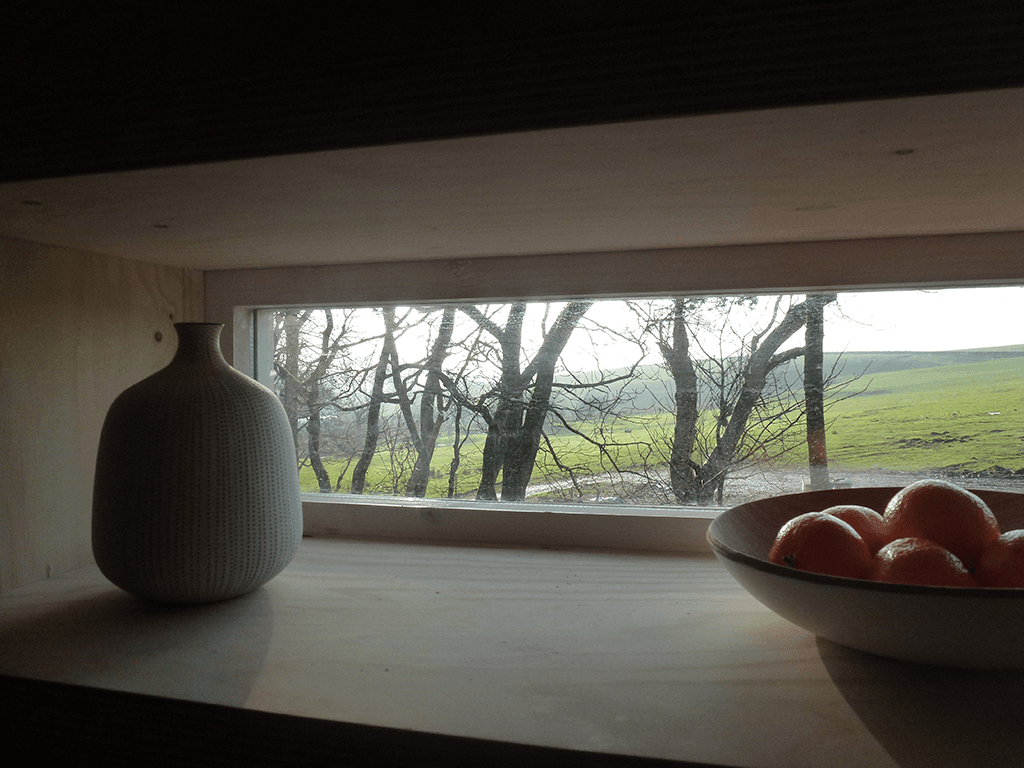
189	135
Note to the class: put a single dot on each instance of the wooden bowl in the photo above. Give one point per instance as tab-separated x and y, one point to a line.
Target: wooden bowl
948	626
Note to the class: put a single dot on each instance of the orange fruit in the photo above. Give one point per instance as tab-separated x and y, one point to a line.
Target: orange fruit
920	561
1002	562
952	517
821	543
865	521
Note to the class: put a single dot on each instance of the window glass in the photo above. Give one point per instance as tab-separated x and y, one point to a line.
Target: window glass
670	402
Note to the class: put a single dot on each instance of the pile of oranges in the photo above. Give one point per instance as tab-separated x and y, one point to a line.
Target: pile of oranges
932	532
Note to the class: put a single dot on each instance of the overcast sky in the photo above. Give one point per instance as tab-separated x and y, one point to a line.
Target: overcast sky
877	321
962	318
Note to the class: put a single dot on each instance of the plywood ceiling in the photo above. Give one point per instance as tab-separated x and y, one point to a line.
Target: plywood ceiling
914	166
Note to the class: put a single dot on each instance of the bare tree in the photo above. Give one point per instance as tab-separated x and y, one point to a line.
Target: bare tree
737	386
433	404
420	434
735	399
310	346
521	398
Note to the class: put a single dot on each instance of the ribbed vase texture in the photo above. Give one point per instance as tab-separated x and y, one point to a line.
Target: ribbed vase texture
196	496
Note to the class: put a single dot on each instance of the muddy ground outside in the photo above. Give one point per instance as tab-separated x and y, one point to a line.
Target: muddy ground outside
756	483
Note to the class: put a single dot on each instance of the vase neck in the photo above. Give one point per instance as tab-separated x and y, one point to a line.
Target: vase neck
198	343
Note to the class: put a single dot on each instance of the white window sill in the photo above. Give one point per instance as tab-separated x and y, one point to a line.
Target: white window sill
568	526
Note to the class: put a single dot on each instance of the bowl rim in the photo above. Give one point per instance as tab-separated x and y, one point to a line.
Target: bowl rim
723	550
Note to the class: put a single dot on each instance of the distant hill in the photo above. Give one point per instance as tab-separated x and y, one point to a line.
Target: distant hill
887	362
652	390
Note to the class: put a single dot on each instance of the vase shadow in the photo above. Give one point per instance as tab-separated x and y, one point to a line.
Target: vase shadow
932	717
210	653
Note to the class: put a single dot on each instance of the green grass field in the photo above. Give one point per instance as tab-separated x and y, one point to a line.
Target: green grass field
934	414
968	416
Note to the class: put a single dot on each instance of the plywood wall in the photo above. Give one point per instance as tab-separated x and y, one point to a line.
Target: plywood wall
76	329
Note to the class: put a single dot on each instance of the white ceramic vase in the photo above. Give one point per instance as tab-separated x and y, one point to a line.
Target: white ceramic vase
196	496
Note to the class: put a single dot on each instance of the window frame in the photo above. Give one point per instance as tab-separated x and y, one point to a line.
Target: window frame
232	296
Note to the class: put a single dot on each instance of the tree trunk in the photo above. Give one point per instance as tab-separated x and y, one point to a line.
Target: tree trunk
313	434
288	370
677	356
431	411
453	469
814	391
314	406
523	443
490	466
372	423
505	420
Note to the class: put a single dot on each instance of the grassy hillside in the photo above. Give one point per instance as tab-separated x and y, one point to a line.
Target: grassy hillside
885	362
966	415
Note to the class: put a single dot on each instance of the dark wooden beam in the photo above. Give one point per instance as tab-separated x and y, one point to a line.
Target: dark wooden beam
87	91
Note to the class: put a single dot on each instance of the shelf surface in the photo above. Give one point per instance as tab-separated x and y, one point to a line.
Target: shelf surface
656	656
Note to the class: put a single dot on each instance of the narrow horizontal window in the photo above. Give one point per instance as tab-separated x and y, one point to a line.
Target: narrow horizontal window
669	404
